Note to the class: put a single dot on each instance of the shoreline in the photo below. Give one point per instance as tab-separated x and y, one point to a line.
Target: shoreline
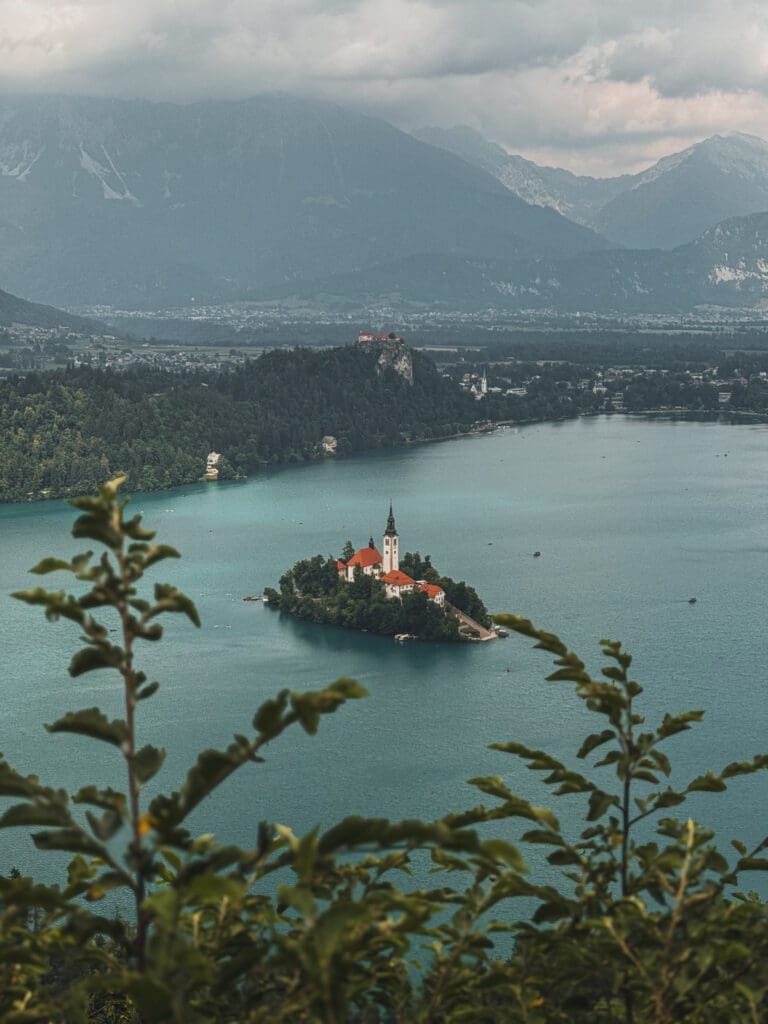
732	418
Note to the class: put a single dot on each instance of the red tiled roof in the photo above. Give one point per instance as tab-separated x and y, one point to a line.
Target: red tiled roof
340	565
395	578
431	589
365	558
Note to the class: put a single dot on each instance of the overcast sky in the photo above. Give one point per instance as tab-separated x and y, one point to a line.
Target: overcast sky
598	86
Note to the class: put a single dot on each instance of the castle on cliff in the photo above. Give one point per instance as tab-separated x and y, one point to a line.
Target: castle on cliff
386	567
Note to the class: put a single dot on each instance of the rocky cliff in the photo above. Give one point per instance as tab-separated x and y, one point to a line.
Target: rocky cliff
393	355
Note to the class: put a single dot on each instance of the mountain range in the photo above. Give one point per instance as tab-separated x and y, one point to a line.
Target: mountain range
139	204
668	204
726	266
14	310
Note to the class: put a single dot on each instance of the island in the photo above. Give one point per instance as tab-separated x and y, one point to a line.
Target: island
380	592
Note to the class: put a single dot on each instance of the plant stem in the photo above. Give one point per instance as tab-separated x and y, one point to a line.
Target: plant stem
129	678
627	741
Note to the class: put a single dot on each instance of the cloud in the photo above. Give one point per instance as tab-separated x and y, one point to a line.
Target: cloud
595	85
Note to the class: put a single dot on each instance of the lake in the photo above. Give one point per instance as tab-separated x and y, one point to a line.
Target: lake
632	517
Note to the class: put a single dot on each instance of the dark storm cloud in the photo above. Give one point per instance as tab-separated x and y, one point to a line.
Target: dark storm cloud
593	84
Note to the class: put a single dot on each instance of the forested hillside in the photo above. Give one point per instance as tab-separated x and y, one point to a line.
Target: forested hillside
61	433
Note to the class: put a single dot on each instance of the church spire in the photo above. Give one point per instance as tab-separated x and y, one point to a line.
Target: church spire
391	545
390	531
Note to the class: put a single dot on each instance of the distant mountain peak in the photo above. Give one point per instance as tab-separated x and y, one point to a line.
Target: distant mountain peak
668	204
138	204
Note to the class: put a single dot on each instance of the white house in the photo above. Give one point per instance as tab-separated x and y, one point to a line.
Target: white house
397	583
369	560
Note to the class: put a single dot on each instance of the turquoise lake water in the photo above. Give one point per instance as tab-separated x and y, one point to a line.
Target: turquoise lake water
632	517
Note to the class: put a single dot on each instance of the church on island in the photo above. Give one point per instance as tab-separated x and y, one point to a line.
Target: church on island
386	567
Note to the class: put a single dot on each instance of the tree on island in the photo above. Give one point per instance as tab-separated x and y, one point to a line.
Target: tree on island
314	590
460	595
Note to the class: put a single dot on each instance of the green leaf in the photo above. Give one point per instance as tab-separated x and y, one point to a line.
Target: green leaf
709	783
563	857
34	814
643	775
133	529
543	836
753	864
599	803
107	825
90	658
209	771
671	725
50	565
669	798
147	762
539	759
306	855
545	815
155	999
515	622
493	785
269	716
14	784
169	599
97	527
500	850
661	760
567	675
298	897
157	553
594	741
308	707
93	723
345	688
743	767
69	839
336	926
108	799
208	887
55	602
445	861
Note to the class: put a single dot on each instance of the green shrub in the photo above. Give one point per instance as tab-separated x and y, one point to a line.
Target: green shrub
641	927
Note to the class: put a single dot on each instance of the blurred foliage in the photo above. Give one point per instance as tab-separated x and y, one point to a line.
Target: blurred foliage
646	922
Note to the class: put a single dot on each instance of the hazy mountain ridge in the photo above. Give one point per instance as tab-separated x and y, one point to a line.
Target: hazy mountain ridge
14	310
577	197
726	266
667	205
137	203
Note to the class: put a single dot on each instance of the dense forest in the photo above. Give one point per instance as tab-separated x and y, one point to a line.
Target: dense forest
313	590
63	432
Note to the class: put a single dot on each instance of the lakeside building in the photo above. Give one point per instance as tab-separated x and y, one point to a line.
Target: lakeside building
212	466
386	567
366	337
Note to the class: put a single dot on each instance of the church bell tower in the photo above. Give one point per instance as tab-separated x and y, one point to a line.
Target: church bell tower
391	545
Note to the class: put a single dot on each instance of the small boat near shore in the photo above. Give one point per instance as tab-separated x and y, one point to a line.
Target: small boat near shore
254	597
402	637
